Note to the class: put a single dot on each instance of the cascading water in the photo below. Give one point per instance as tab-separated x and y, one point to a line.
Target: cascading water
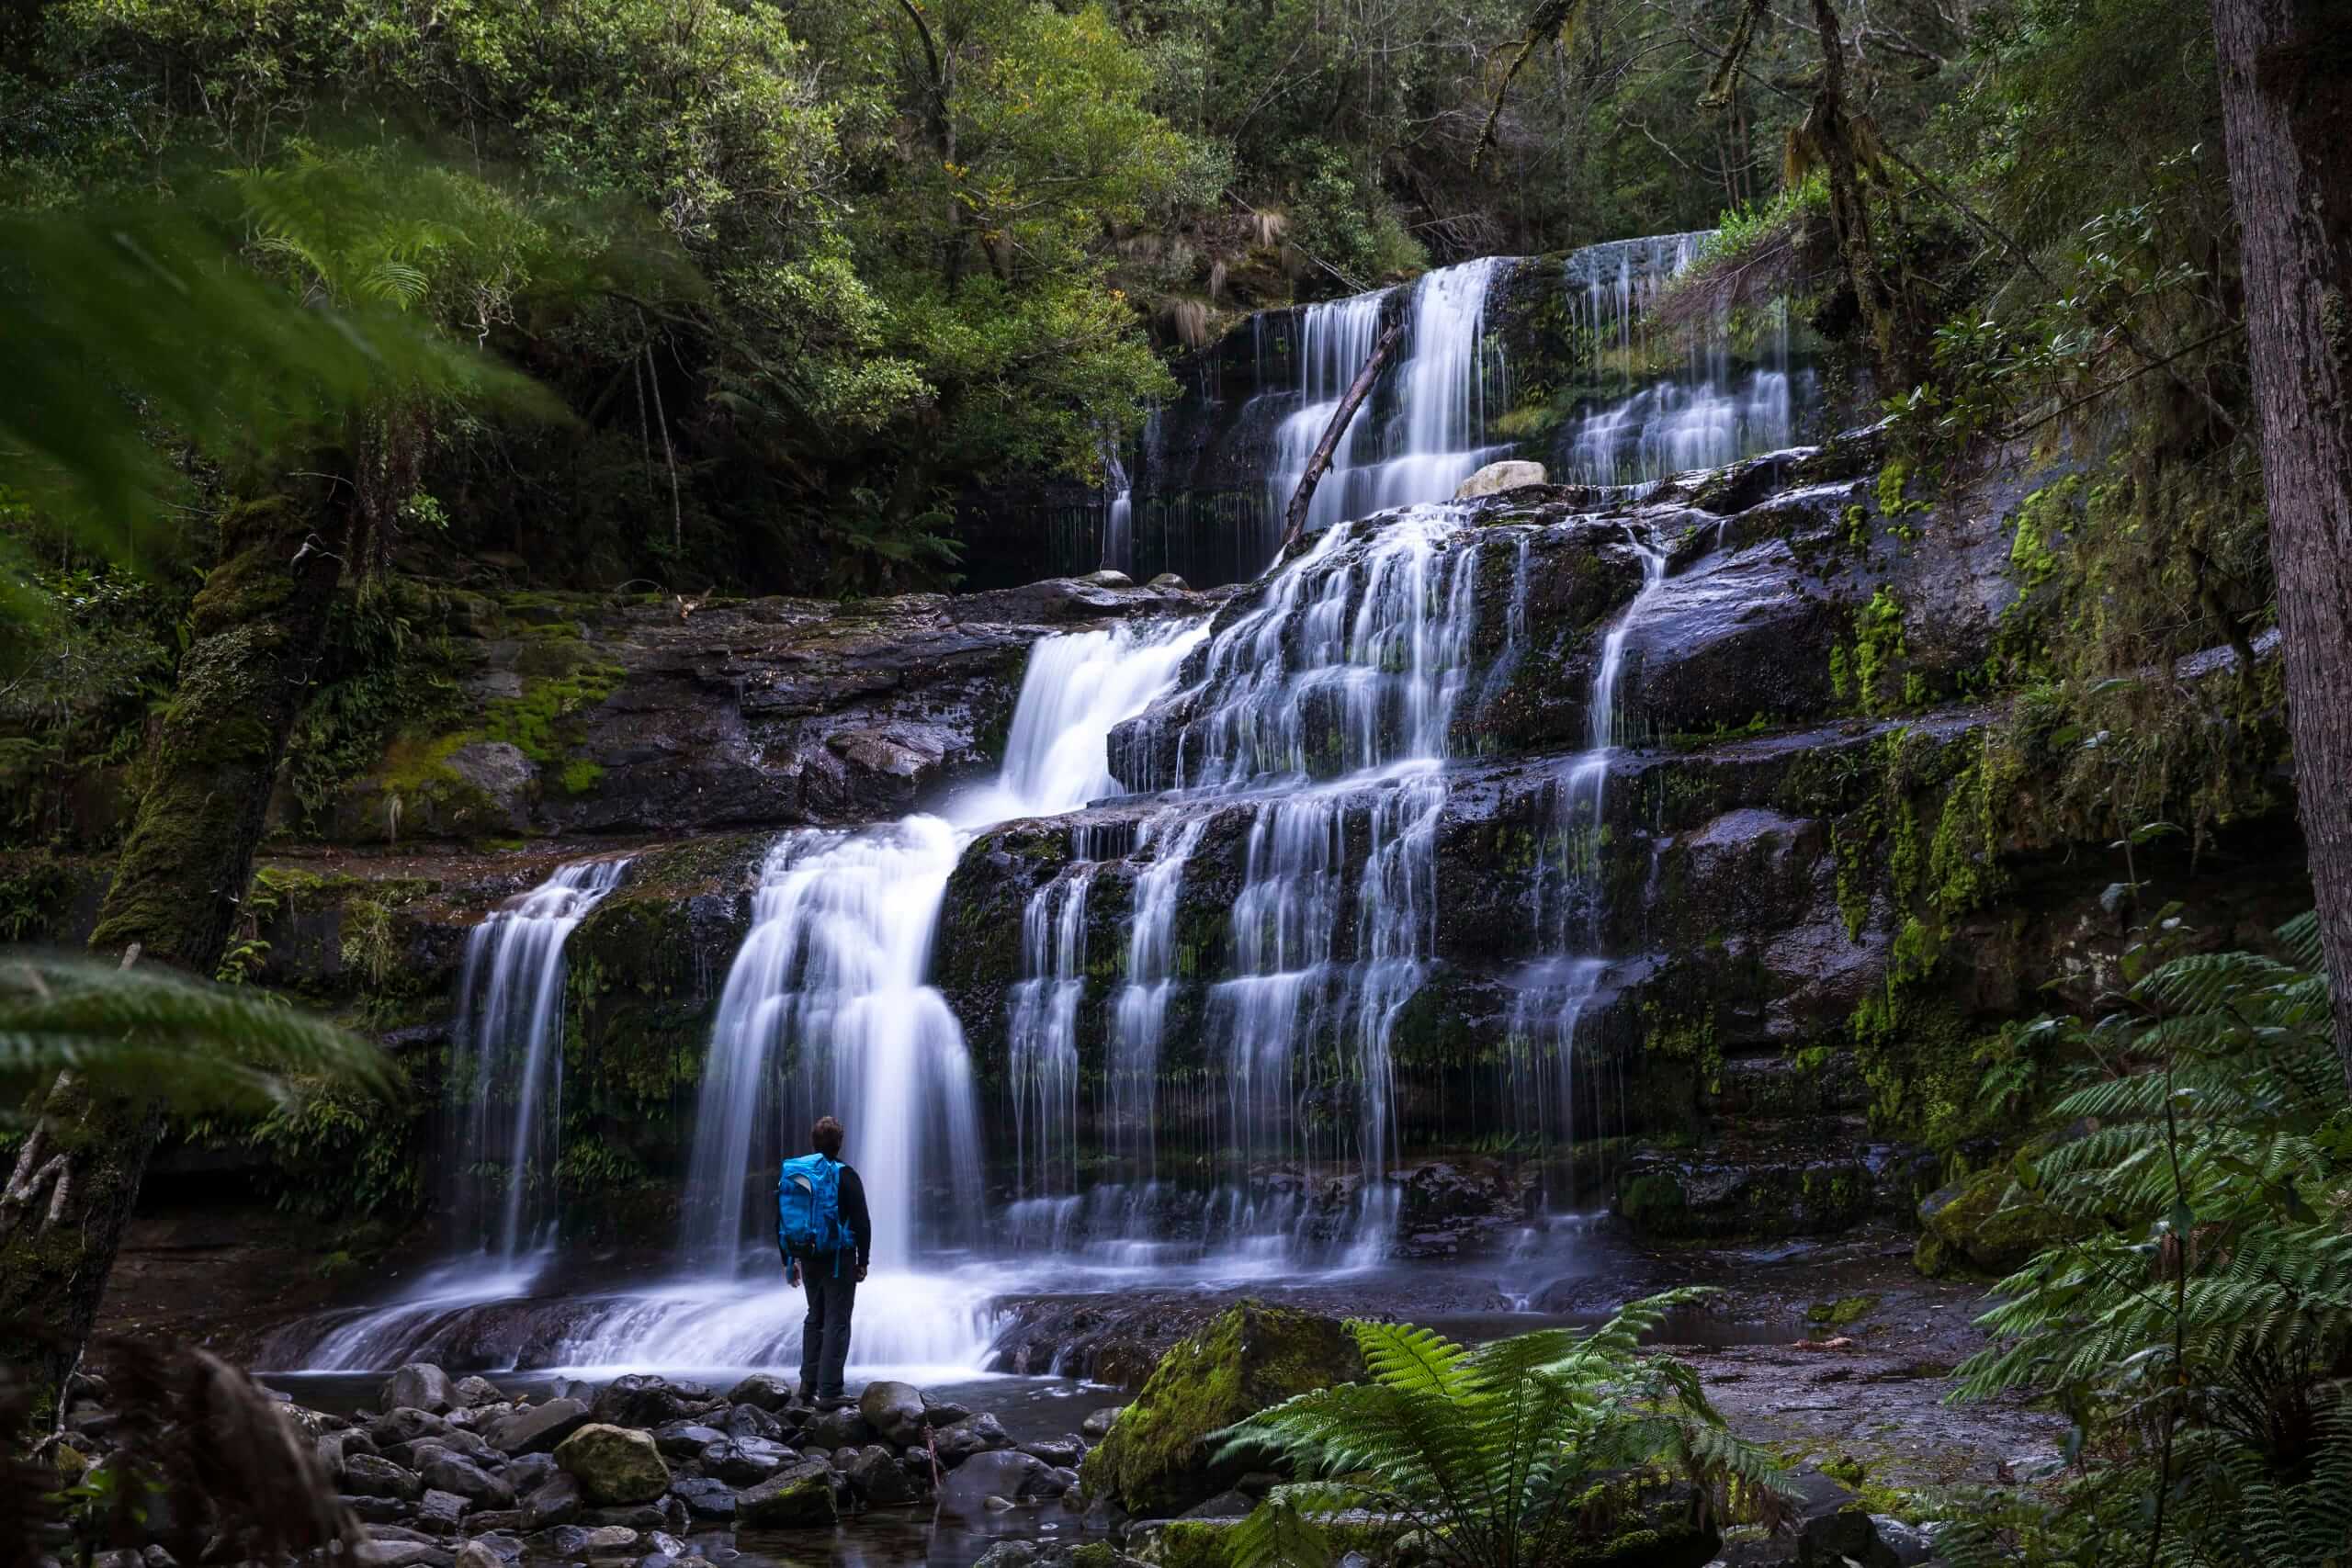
508	1054
1649	423
1346	673
1554	993
1434	434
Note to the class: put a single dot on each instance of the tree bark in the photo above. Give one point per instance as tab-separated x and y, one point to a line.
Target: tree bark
1295	520
2287	118
259	625
1849	212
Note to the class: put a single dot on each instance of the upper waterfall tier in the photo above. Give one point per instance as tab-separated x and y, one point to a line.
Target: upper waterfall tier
1550	359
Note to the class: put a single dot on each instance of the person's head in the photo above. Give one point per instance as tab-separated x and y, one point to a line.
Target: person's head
826	1136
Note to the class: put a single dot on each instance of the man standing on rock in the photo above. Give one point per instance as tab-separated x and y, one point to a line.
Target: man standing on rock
825	1235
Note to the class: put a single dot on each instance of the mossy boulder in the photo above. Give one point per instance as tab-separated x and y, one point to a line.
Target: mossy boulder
615	1466
799	1496
1157	1459
1971	1227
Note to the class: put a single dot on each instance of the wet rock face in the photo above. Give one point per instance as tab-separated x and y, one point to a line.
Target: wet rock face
594	717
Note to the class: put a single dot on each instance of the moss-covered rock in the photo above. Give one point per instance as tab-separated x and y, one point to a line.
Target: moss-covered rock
1157	1459
615	1466
1971	1227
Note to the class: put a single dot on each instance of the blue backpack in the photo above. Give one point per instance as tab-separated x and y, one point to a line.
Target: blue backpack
808	1207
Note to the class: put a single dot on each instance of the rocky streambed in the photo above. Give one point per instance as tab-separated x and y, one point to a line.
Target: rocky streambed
438	1471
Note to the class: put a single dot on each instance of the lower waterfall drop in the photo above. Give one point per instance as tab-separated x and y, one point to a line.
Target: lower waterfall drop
510	1024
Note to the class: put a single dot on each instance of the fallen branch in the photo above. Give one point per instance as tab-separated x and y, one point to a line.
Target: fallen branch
1295	520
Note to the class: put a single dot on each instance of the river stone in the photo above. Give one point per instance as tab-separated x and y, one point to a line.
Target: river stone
420	1385
537	1428
1098	1422
367	1476
556	1501
614	1464
1169	582
374	1510
1003	1473
478	1554
765	1390
452	1473
1496	478
399	1554
1106	578
705	1498
405	1425
1055	1451
437	1512
876	1477
844	1428
686	1439
600	1541
973	1435
525	1471
751	1421
893	1409
943	1412
471	1393
1157	1457
799	1496
745	1461
642	1400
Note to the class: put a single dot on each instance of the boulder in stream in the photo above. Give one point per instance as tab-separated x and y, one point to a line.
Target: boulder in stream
799	1496
1156	1457
420	1385
613	1465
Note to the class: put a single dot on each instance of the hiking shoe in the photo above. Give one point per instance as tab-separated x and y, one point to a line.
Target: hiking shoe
837	1402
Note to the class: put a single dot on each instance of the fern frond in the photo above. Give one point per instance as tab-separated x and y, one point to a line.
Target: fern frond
151	1032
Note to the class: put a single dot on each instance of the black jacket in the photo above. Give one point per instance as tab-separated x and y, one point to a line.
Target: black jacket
854	1215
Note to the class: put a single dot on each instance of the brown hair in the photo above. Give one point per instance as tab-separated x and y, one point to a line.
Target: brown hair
826	1136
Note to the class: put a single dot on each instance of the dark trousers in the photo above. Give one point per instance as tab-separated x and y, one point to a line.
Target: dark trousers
824	1338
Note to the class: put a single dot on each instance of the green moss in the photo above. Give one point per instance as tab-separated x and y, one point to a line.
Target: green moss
579	776
1158	1458
1975	1228
533	723
1879	650
1843	1311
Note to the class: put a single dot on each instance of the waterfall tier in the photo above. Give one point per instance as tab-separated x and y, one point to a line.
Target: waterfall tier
1554	359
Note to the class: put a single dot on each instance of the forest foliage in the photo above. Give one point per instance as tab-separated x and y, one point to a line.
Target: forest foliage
772	293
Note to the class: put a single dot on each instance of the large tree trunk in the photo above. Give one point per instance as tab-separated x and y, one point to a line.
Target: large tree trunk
259	625
2287	113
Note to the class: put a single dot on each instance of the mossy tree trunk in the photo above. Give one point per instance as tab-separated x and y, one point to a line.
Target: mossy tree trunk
259	625
2287	113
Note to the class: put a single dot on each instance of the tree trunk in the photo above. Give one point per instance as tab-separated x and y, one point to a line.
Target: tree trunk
1295	519
1849	212
2287	115
259	623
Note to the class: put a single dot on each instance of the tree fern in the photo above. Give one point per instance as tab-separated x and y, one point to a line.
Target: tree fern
1502	1457
2198	1325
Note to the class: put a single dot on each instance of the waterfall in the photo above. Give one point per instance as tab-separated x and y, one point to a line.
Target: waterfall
1118	512
1434	435
507	1051
1651	424
826	1009
1347	672
828	993
1044	1035
1553	994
